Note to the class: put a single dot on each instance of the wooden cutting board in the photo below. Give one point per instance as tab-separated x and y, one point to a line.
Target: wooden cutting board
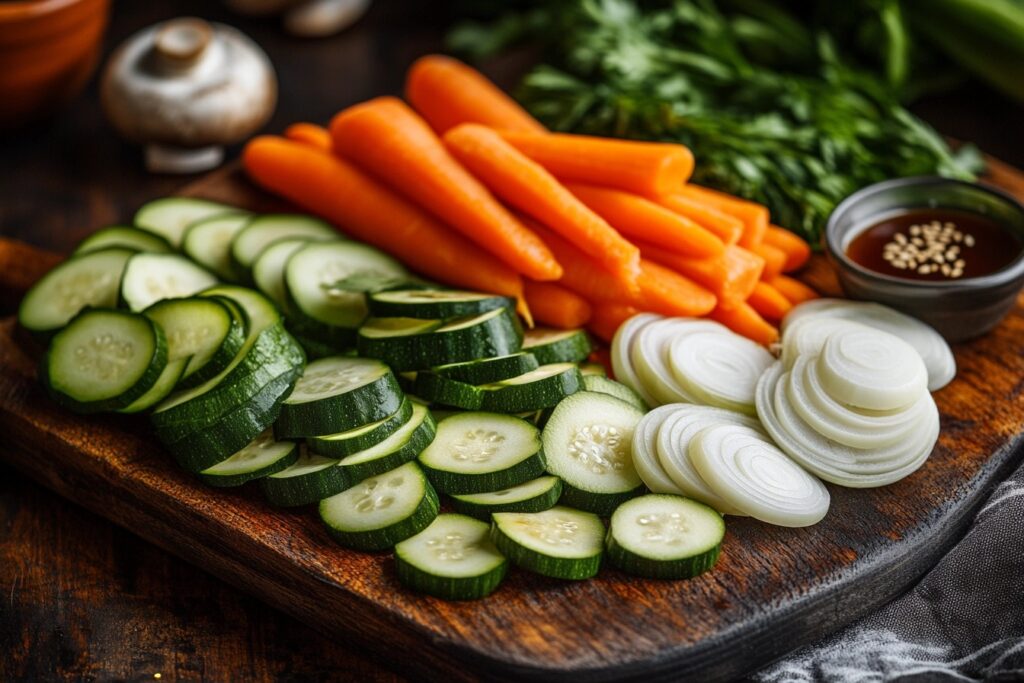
772	590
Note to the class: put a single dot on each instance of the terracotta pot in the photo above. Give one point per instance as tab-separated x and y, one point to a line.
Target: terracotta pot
48	50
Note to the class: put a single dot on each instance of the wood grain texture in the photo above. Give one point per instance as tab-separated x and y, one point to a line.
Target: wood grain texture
772	590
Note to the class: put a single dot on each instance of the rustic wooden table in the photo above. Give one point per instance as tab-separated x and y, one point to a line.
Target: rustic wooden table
79	597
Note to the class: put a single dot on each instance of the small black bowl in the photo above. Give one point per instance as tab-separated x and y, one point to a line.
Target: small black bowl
958	309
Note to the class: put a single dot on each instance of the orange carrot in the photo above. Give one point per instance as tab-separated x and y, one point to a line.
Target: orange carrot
743	319
447	92
795	291
525	185
342	194
754	216
556	306
581	274
731	277
607	316
642	219
648	168
769	302
774	259
387	138
796	249
311	134
728	228
666	292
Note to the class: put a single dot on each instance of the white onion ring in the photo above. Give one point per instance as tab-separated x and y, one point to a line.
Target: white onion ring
649	356
645	456
871	369
622	342
719	368
807	335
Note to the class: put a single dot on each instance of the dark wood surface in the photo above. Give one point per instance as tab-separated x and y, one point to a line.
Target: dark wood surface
79	597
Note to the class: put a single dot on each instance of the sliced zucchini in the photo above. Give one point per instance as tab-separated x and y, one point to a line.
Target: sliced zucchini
319	300
431	303
149	278
170	216
401	447
665	537
588	443
535	495
208	243
264	230
603	385
557	346
161	389
381	511
104	360
263	456
201	329
360	438
452	559
487	370
477	452
447	392
587	369
337	394
559	542
406	346
541	388
268	269
310	479
123	237
91	279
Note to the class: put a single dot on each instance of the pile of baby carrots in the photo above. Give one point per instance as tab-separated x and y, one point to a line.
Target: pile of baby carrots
465	187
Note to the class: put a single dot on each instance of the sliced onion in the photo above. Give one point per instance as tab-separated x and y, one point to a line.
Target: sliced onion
753	475
673	444
649	355
934	350
807	335
719	368
622	342
645	455
854	427
871	369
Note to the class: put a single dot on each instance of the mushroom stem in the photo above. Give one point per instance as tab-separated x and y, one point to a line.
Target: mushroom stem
168	159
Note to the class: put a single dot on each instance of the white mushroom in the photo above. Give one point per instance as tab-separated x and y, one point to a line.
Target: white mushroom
319	18
184	89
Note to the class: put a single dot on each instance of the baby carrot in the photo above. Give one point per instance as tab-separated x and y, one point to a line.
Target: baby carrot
666	292
556	306
524	184
769	302
311	134
339	192
607	316
447	92
774	259
796	249
731	277
754	216
647	168
641	219
743	319
727	228
795	291
388	139
581	274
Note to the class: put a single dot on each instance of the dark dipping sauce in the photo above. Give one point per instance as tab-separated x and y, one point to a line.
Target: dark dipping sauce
934	245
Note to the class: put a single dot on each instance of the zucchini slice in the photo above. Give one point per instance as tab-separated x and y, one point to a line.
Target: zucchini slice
123	237
452	559
487	370
541	388
401	447
337	394
559	542
161	389
447	392
268	269
587	369
434	303
535	495
309	479
557	346
381	511
208	243
263	456
170	216
588	443
477	452
603	385
262	231
665	537
360	438
149	278
86	280
202	329
104	360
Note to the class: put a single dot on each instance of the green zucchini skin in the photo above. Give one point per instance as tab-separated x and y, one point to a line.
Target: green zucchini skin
160	390
332	446
602	504
369	403
573	347
387	537
305	489
386	305
403	453
124	237
573	569
228	481
447	392
638	565
522	398
458	483
488	370
539	503
603	385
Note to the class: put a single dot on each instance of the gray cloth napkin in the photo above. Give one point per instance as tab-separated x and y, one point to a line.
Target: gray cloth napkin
964	621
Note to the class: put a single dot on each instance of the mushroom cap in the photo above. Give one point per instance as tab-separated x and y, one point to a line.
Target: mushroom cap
188	83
